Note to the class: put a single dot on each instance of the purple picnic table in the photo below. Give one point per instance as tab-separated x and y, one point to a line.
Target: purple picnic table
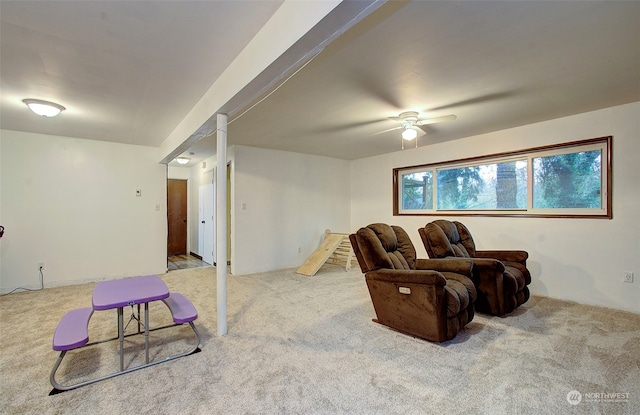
129	292
72	331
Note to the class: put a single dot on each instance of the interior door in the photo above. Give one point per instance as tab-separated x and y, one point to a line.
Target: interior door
177	217
206	234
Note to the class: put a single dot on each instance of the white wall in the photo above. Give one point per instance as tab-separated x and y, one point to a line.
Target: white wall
178	173
282	201
574	259
71	204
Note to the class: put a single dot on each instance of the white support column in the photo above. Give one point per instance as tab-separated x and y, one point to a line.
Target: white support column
221	222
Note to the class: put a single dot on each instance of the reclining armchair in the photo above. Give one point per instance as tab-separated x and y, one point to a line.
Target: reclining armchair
500	276
408	294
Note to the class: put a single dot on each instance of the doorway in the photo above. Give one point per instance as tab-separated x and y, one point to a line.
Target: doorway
178	255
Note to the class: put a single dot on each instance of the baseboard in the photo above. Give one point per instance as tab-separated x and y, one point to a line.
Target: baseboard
195	255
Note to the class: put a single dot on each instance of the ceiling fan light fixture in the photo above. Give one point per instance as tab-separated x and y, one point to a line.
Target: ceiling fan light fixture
43	108
409	133
183	160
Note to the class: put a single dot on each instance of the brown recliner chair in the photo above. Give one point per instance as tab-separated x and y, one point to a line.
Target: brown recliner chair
408	295
501	276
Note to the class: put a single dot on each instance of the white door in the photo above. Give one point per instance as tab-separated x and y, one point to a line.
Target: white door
206	230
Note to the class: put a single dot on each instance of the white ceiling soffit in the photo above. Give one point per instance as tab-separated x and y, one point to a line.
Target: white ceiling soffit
338	21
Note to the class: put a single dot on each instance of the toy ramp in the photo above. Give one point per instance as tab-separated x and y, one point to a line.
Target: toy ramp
335	249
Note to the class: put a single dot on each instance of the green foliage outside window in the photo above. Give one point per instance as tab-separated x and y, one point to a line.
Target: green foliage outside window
570	179
459	188
417	191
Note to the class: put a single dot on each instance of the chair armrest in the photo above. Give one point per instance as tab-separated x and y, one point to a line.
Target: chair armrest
487	265
504	255
405	276
458	265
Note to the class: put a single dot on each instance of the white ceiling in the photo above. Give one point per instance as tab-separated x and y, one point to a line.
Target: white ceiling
127	71
130	71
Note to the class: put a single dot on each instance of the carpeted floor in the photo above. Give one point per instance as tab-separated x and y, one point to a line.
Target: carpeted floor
307	345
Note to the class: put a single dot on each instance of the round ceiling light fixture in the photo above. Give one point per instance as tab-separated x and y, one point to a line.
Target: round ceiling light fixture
183	160
409	133
43	108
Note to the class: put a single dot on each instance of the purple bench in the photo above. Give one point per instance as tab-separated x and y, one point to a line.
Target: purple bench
181	308
73	330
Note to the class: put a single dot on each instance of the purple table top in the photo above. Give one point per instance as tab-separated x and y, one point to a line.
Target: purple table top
128	291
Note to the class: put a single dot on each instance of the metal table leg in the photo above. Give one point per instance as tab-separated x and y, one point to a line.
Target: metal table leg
121	337
146	331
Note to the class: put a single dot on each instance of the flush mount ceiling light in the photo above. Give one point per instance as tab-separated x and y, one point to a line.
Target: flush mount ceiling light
183	160
43	108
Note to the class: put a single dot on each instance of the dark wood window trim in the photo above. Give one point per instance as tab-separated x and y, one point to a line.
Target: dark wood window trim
607	165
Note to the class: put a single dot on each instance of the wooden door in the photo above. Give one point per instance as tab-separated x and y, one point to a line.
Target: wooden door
177	217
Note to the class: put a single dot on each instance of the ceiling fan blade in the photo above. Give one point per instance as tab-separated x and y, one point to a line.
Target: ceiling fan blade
426	129
390	129
434	120
478	100
375	89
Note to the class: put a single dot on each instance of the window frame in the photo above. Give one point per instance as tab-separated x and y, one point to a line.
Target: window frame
604	212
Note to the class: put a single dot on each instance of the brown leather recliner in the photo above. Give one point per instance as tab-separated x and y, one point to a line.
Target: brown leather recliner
501	276
408	294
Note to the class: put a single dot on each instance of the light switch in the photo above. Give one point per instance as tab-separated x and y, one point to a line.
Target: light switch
138	192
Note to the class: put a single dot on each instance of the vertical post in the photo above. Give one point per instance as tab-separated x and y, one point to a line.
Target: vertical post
221	222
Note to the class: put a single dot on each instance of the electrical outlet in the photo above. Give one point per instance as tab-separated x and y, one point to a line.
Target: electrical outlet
40	266
627	276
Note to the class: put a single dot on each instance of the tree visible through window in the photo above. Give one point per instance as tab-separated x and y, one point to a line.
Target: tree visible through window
417	191
485	186
570	179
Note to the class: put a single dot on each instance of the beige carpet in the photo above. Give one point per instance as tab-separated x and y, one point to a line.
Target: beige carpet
307	345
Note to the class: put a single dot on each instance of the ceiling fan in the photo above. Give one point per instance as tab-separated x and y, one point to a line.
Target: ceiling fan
411	123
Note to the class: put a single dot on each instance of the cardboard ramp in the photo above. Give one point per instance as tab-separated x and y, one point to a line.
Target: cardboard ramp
335	249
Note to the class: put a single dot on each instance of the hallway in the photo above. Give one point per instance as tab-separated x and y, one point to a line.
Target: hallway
175	262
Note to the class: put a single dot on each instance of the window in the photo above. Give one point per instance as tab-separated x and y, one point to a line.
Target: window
565	180
501	185
417	191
